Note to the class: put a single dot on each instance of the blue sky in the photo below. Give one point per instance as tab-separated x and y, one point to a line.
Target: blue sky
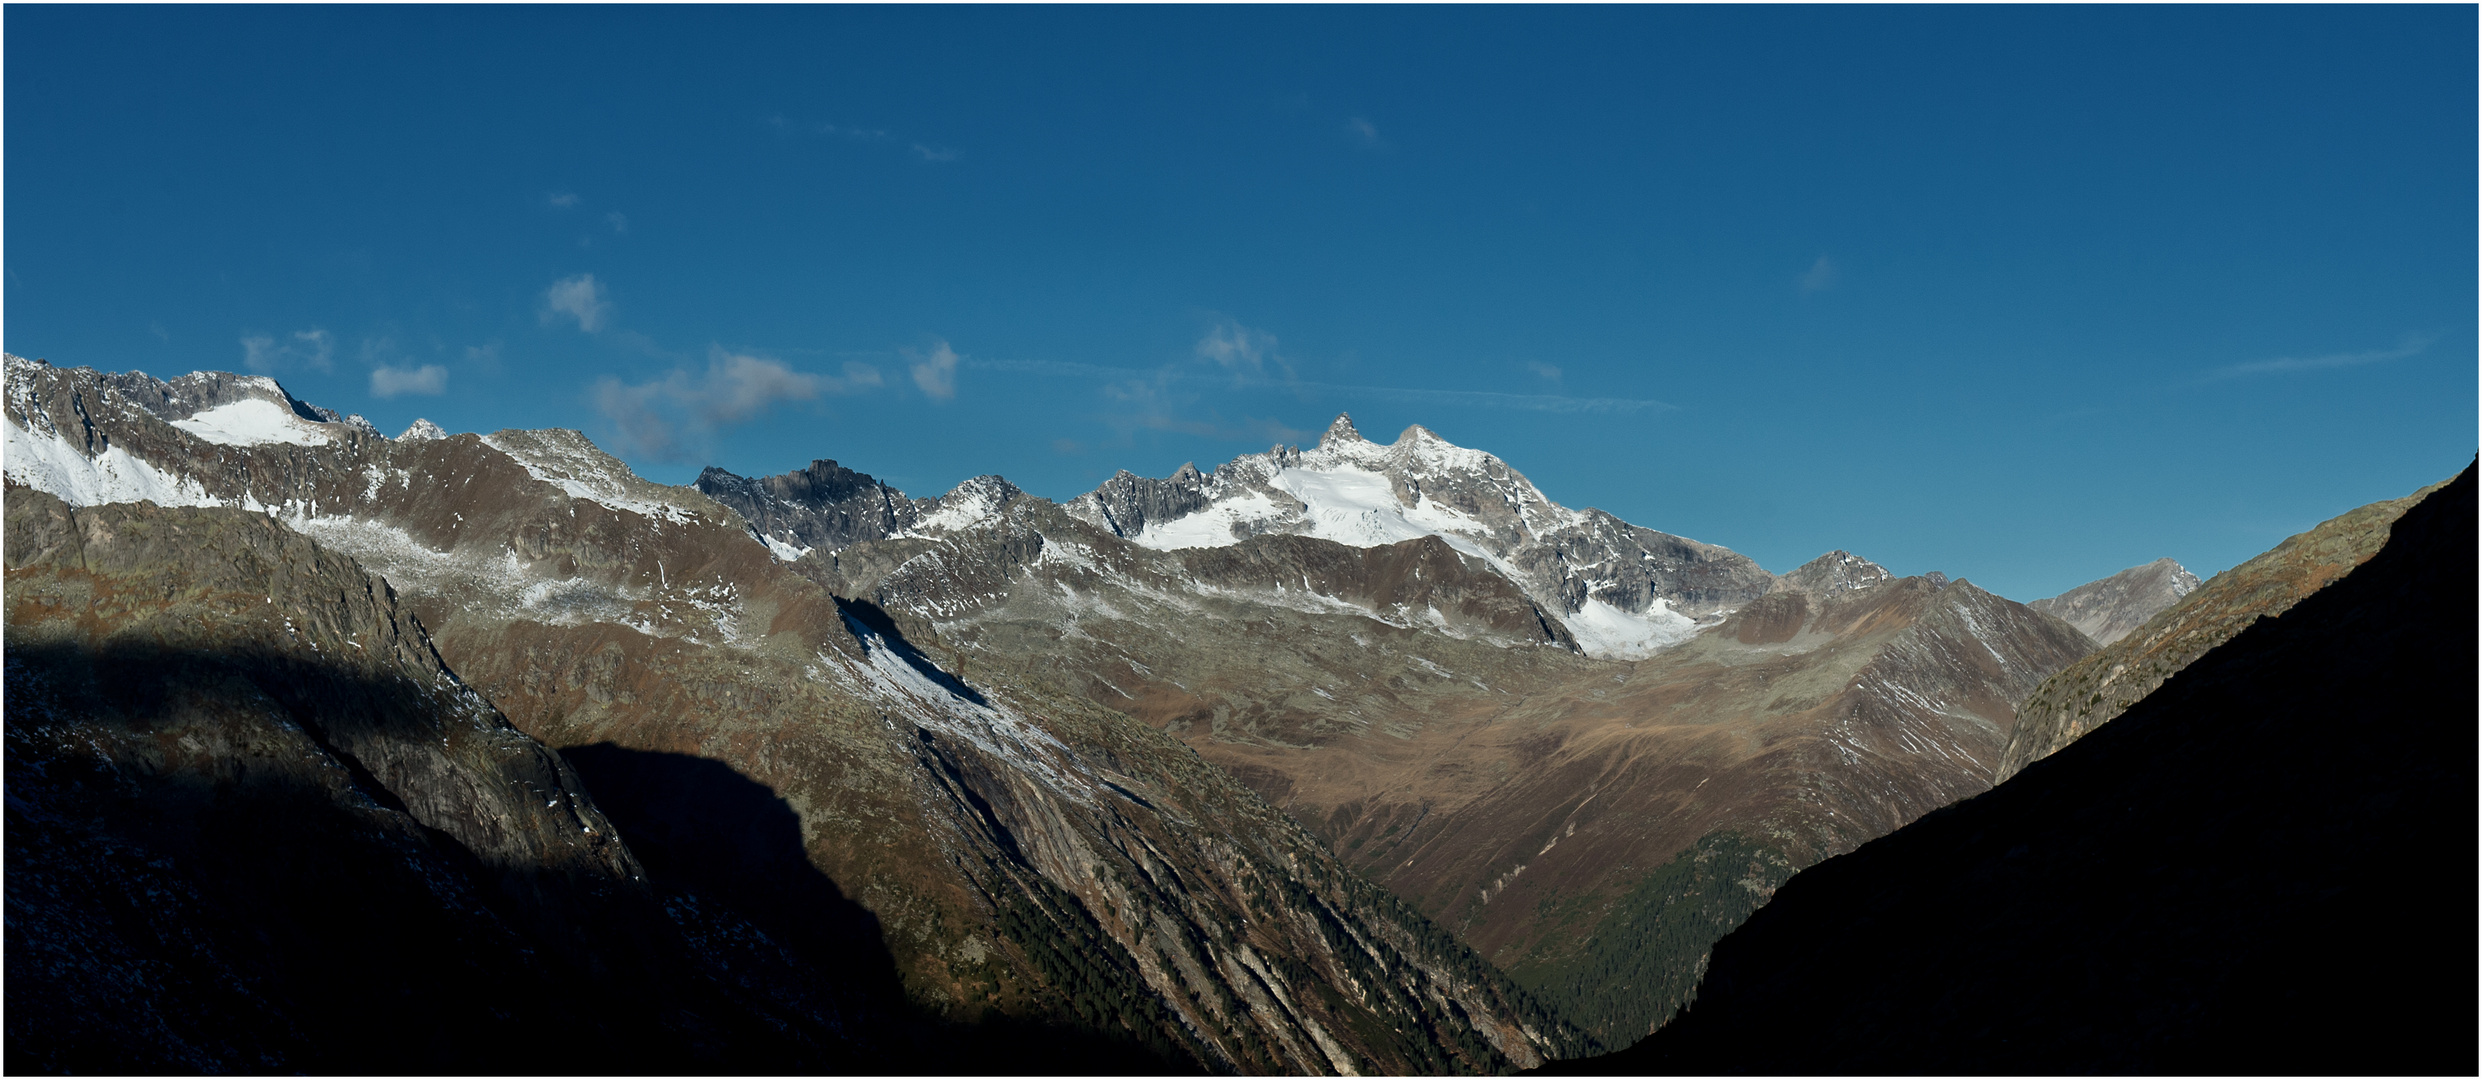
2027	295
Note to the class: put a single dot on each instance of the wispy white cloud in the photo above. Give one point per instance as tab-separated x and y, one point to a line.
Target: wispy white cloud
618	221
1820	276
1157	404
581	298
1363	130
2411	345
739	386
563	199
313	348
388	382
1547	371
485	358
935	371
1238	349
789	127
939	153
655	417
645	430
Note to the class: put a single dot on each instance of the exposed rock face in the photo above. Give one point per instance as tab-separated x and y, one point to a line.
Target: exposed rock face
1620	590
1127	502
999	856
2089	694
2111	607
825	506
2216	882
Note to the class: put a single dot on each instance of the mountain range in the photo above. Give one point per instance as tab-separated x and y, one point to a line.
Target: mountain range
1348	759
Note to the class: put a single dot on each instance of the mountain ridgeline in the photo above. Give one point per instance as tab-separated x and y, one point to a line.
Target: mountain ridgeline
1360	758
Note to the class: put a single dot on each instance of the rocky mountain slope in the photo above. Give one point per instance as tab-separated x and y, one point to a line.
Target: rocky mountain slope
2090	693
2107	609
2264	866
255	823
1430	716
781	759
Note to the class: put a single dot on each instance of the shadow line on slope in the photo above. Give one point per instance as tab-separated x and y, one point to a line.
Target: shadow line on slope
866	620
194	889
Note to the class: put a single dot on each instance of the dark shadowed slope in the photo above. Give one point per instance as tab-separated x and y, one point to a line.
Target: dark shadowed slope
2267	866
2089	693
255	824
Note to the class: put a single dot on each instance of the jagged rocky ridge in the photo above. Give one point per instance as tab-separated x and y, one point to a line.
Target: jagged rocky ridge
2253	870
1016	855
2108	608
2091	692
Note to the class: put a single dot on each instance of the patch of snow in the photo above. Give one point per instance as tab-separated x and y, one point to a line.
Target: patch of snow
1349	506
567	460
504	583
1213	526
49	463
254	422
1608	633
421	431
967	508
892	679
783	552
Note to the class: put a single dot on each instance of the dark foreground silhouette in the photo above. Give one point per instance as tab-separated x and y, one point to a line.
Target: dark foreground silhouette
2267	866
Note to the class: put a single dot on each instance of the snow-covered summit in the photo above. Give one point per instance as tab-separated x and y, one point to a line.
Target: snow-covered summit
970	502
1623	591
421	431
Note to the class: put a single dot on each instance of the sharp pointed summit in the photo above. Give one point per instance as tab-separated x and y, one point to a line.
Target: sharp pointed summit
1340	433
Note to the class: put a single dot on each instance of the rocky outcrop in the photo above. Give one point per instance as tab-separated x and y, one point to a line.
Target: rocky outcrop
824	506
1127	502
2089	694
2253	870
2107	609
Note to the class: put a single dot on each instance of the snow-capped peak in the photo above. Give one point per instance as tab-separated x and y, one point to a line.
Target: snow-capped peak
1623	591
1341	433
421	431
970	502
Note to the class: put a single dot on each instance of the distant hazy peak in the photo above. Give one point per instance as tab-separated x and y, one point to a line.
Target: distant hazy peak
1835	572
2108	609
